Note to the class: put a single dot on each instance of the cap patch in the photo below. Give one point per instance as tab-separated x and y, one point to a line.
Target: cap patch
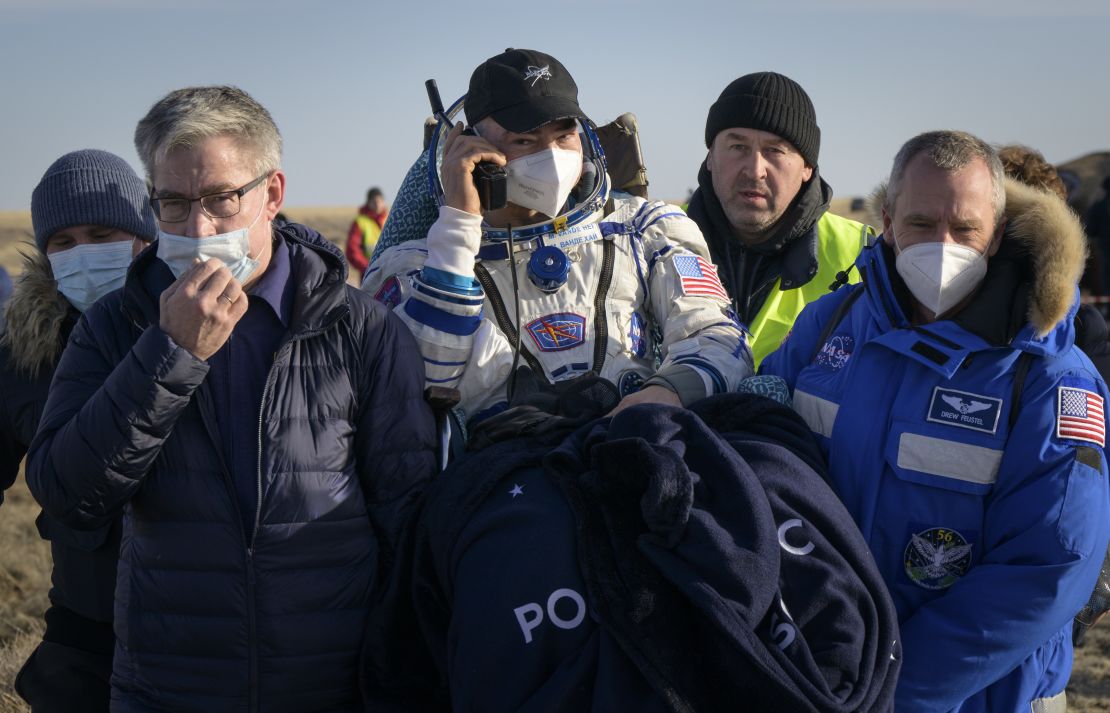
537	73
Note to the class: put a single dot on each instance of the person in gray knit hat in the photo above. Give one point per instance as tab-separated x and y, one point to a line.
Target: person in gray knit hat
763	206
90	213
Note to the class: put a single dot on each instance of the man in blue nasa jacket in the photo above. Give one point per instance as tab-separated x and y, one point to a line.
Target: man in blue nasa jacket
965	433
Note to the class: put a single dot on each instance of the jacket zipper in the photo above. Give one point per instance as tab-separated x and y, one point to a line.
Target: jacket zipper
502	315
252	631
251	614
601	319
252	619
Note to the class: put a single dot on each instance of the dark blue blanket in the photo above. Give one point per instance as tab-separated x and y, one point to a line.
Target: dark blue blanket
664	559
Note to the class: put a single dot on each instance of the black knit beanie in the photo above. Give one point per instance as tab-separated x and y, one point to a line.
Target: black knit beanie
767	101
91	187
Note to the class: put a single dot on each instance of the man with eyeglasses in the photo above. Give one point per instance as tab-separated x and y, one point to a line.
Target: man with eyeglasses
260	424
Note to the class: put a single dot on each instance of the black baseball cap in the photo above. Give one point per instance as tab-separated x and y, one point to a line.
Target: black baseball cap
522	90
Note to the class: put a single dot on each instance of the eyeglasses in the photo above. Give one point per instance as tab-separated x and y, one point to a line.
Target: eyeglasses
215	205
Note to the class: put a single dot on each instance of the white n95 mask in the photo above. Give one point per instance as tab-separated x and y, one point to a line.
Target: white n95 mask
940	275
85	273
543	181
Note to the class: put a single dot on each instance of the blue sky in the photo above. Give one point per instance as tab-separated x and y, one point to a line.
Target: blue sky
344	80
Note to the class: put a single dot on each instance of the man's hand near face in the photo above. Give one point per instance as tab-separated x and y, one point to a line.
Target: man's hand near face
461	153
201	308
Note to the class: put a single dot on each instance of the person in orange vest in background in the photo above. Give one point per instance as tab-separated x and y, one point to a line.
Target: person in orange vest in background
365	229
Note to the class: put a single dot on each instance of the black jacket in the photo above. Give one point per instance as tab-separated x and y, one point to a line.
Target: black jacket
83	576
207	619
749	272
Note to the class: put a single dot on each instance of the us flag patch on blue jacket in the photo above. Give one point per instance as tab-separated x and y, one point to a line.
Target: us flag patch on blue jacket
1080	415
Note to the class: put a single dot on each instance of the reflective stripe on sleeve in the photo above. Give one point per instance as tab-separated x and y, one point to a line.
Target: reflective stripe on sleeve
818	413
1055	704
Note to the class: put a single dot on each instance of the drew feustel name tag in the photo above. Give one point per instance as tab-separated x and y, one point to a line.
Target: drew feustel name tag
964	409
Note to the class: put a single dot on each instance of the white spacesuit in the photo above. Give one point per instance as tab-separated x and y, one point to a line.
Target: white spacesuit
613	285
643	269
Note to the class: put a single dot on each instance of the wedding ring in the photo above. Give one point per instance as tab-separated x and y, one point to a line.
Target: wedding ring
229	300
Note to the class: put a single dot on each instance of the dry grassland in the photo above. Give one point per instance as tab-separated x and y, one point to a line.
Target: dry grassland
25	559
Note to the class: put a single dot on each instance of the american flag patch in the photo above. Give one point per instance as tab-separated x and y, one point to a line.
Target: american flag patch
1080	415
699	277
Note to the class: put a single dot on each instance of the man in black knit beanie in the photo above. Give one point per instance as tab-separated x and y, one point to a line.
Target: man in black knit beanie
762	206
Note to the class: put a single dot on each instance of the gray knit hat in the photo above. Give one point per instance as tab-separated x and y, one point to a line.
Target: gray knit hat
91	187
767	101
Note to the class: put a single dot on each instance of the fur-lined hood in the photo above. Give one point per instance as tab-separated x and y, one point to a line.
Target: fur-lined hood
1050	234
35	315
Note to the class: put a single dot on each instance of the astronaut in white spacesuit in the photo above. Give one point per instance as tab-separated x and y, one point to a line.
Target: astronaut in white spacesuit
604	283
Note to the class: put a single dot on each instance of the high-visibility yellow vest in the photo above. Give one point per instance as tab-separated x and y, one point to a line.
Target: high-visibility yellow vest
371	231
839	241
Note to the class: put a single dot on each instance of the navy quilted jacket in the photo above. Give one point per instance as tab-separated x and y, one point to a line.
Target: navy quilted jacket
208	618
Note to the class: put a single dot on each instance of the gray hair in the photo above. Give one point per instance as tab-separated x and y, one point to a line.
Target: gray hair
949	151
187	117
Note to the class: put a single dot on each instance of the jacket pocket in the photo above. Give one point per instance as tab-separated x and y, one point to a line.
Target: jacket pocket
937	457
84	540
1081	528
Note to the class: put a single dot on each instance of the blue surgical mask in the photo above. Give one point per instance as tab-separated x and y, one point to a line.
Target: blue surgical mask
85	273
179	252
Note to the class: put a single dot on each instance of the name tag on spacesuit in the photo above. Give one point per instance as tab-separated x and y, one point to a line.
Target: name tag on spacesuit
574	236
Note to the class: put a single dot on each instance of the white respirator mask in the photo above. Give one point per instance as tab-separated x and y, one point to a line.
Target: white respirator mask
940	275
543	181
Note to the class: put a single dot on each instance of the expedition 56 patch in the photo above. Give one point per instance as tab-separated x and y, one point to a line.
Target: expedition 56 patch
964	409
937	557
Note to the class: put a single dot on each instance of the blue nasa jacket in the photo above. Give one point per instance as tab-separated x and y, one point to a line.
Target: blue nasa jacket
988	514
